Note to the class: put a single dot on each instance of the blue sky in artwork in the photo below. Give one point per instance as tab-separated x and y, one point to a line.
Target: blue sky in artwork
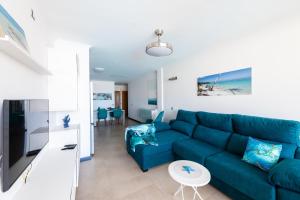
227	76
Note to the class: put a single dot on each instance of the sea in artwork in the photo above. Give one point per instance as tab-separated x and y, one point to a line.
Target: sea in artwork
152	101
238	82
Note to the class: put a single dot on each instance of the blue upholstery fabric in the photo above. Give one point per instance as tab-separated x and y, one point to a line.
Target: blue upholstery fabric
149	161
261	154
286	174
228	190
183	127
237	145
136	140
286	131
101	113
165	140
172	121
187	116
229	173
212	136
297	153
148	156
159	117
117	113
245	178
194	150
221	122
283	194
162	126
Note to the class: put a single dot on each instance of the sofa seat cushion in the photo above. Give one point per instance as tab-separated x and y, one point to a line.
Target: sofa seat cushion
165	140
212	136
286	174
218	121
230	169
183	127
194	150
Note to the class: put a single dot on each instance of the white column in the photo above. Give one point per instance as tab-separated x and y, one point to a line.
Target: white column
160	89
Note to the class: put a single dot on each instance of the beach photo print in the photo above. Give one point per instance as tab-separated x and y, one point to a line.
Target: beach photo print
238	82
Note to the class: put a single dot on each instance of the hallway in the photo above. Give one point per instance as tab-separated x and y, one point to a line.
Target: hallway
113	175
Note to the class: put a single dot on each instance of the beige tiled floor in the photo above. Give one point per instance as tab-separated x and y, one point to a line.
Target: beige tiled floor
113	175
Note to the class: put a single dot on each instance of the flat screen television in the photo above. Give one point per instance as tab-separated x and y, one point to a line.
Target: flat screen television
25	134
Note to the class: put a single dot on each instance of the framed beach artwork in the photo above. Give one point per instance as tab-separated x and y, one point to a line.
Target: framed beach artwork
237	82
102	96
152	92
10	28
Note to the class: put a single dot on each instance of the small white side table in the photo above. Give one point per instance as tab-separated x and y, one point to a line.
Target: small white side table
189	173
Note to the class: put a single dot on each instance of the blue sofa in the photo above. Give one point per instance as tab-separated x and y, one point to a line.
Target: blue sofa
218	142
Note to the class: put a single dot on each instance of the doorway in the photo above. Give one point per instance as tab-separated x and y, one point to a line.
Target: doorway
118	99
121	97
124	97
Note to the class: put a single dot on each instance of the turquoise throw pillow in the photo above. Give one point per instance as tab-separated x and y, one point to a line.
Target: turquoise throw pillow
261	154
136	140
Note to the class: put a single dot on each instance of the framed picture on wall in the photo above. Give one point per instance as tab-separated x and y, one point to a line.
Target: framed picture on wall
152	92
237	82
102	96
10	28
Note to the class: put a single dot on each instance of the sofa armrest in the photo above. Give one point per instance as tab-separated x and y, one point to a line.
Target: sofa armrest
161	126
286	174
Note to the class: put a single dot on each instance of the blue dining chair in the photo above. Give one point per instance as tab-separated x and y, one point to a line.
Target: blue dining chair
117	114
102	115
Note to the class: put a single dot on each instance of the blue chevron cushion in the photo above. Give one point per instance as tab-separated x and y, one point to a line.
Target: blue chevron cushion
261	154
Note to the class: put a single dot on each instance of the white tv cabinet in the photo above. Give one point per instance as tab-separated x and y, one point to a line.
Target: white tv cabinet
55	176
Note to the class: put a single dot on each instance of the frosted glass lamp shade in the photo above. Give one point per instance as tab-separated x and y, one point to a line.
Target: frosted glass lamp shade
159	49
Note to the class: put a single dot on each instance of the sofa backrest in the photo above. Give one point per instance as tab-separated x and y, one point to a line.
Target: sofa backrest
213	128
278	130
212	136
285	132
297	154
185	122
217	121
187	116
237	145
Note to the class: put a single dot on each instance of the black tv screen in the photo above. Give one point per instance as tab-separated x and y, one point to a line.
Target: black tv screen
25	133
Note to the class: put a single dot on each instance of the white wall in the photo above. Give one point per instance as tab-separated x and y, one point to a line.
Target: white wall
84	109
121	87
138	95
104	87
273	54
80	111
17	81
160	89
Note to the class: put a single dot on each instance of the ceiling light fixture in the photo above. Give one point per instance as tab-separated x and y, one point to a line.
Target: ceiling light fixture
159	48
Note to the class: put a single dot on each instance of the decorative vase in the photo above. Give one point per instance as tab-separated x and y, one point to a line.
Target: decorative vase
66	121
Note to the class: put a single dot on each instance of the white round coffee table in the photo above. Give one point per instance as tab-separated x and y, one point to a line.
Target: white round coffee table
189	173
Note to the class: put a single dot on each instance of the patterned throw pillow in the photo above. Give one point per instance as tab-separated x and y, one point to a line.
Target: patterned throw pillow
136	140
261	154
142	134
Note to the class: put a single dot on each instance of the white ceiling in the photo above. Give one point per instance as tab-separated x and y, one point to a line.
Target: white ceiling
119	30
